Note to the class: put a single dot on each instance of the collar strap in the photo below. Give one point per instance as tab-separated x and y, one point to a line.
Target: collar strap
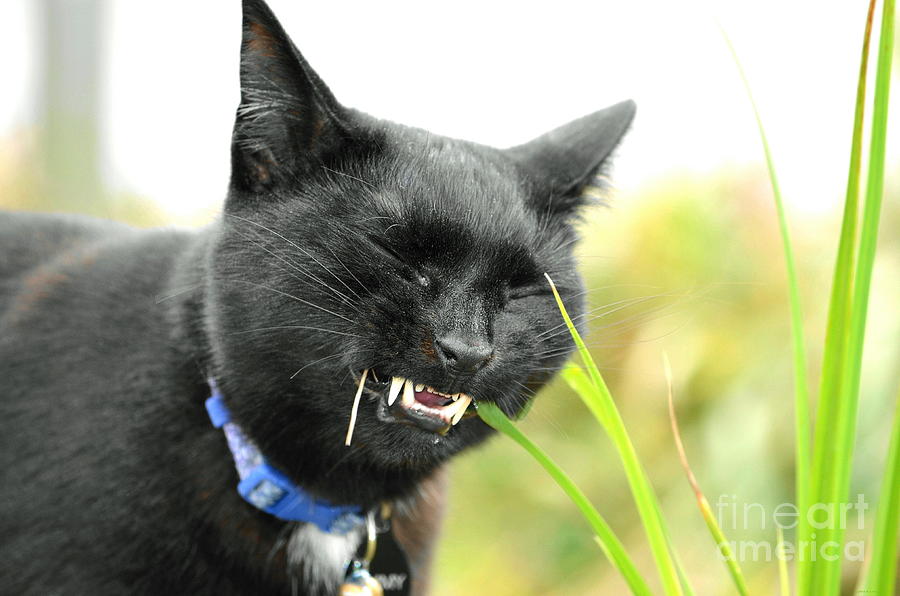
266	487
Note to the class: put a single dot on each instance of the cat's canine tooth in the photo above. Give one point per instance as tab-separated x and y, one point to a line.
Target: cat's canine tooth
455	396
451	409
420	386
409	397
394	391
461	406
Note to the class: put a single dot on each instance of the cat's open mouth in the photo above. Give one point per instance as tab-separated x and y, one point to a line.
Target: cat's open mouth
422	405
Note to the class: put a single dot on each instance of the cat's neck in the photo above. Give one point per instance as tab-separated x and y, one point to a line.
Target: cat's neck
314	466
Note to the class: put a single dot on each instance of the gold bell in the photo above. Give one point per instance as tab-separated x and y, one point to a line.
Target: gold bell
359	582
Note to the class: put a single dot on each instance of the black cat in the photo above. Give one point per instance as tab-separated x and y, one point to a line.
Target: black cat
347	244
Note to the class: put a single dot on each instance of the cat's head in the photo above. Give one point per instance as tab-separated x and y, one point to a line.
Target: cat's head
350	243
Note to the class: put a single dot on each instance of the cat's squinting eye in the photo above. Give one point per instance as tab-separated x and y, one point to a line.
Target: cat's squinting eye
409	272
524	283
385	248
525	291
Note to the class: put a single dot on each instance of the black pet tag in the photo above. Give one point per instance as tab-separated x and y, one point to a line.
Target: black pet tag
390	566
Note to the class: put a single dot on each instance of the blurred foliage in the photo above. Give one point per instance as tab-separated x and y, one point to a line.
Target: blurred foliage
25	185
693	266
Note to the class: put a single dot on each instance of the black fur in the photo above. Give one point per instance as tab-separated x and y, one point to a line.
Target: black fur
346	243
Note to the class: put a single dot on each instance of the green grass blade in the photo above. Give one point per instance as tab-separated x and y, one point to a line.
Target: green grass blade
802	429
882	574
679	566
579	381
825	451
581	384
784	581
585	354
599	400
731	563
828	573
606	538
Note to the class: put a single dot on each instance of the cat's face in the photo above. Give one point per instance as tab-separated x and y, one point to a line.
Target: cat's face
350	244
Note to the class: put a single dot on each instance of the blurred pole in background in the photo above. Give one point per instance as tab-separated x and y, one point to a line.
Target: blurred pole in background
68	104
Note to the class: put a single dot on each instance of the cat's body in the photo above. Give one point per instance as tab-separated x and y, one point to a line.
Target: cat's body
347	244
88	411
126	485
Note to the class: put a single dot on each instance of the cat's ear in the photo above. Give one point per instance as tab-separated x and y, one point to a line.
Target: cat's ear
288	121
563	162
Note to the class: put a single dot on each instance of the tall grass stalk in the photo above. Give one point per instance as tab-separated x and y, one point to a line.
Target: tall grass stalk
718	536
581	384
600	402
802	430
837	336
784	579
882	573
825	574
610	545
827	480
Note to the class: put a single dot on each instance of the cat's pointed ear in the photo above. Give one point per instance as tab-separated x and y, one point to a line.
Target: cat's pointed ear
288	121
562	162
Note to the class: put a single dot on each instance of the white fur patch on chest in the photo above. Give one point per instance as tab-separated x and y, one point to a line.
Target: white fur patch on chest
321	557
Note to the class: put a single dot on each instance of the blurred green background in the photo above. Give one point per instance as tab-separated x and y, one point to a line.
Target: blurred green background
688	262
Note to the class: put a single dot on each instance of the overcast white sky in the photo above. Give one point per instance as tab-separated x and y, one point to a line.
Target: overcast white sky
493	72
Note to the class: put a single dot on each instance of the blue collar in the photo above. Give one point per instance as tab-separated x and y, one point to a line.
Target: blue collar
266	487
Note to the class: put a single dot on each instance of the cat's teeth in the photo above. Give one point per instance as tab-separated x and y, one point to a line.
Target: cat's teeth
409	397
394	391
459	407
455	410
431	389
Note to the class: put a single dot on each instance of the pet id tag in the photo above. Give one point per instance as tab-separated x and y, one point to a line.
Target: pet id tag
358	581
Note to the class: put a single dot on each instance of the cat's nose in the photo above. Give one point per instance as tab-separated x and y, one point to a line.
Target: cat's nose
462	353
